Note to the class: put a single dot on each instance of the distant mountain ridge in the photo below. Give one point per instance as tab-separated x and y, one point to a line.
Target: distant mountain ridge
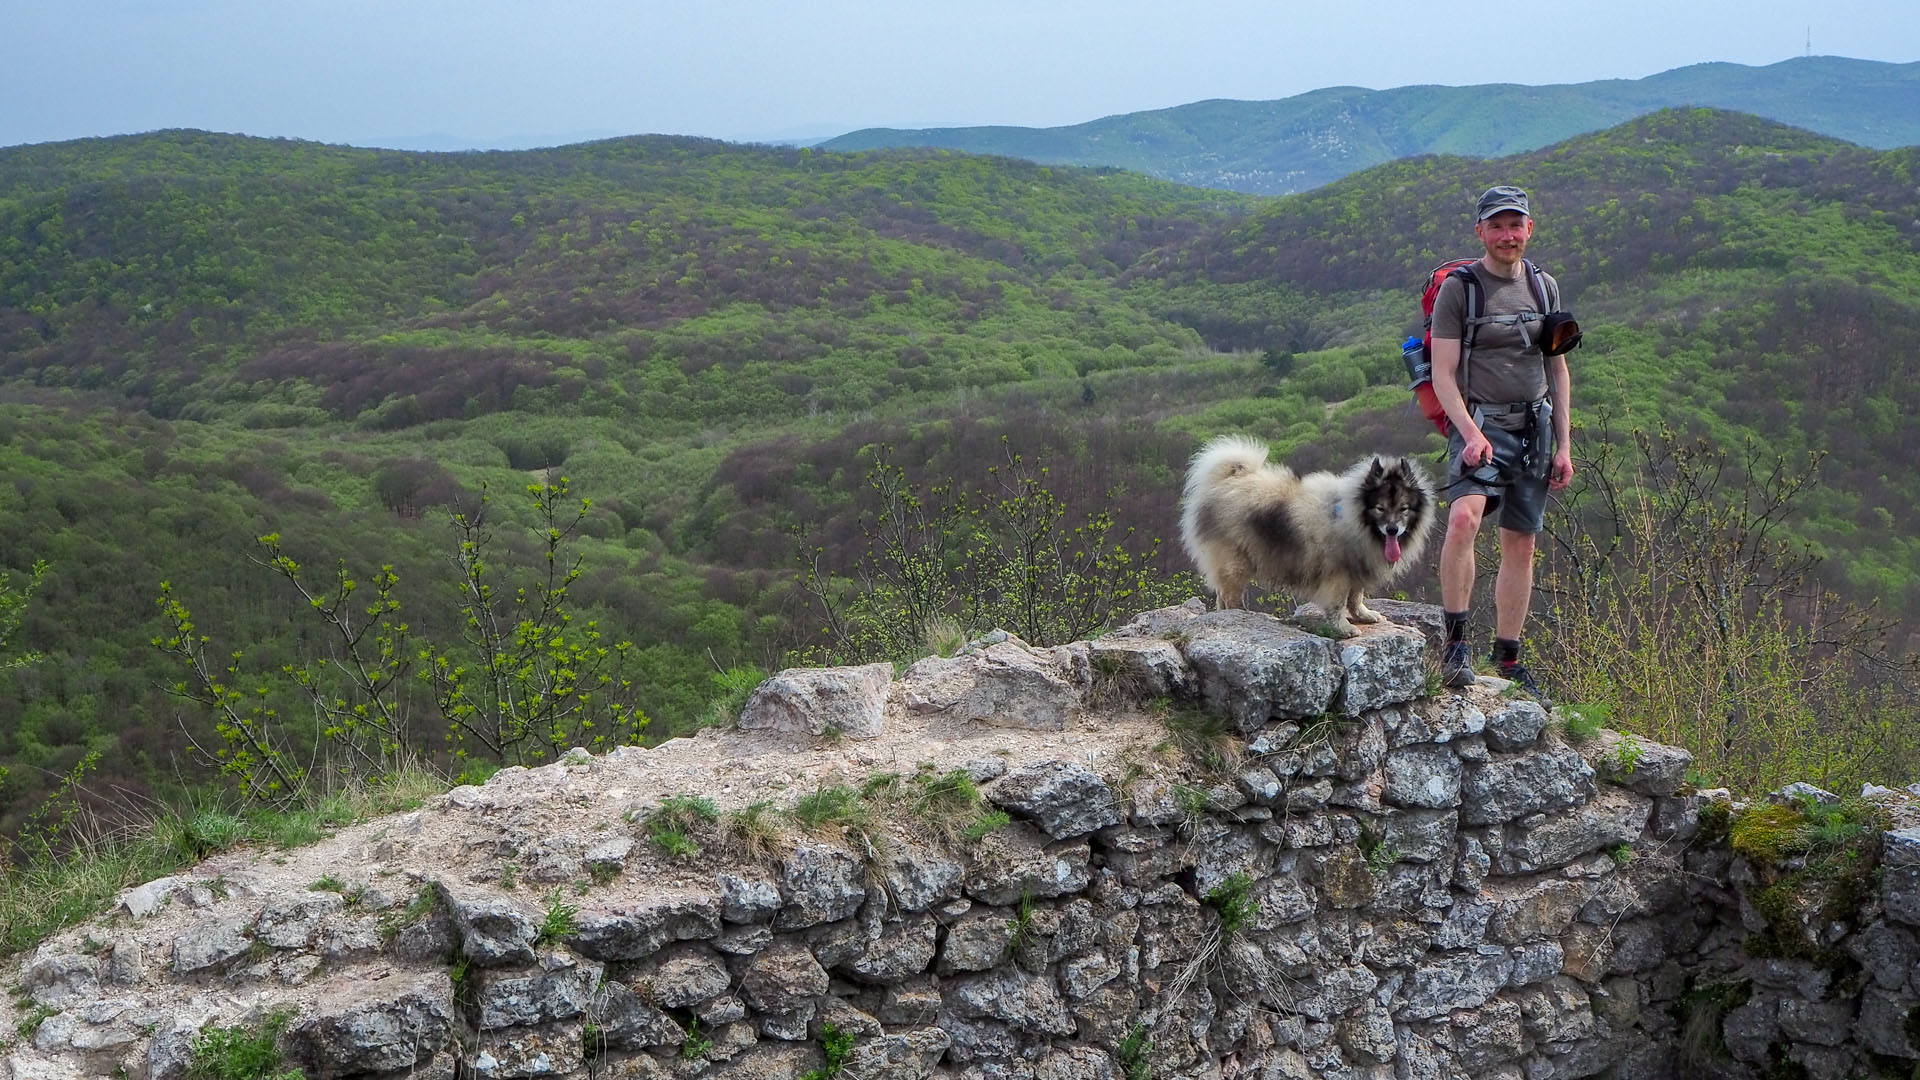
1302	142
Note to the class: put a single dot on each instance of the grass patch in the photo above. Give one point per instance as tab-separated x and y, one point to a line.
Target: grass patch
755	830
240	1053
669	825
1202	737
836	1045
1020	927
29	1021
986	825
1578	723
1132	1053
1379	854
57	877
422	905
1233	899
731	689
839	806
947	804
673	841
1700	1012
559	922
696	1044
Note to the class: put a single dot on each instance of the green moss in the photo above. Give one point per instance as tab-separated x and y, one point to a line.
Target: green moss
1816	864
1768	834
1716	822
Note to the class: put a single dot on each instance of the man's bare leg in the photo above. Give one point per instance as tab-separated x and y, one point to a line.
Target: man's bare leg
1456	552
1513	585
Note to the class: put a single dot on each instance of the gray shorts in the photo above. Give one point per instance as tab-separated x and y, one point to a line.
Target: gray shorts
1515	482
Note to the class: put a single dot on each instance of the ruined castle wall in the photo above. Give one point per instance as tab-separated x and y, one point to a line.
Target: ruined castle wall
1360	881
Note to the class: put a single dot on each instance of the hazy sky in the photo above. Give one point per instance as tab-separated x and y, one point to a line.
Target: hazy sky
365	71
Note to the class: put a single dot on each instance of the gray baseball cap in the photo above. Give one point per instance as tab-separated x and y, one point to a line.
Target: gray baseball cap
1502	197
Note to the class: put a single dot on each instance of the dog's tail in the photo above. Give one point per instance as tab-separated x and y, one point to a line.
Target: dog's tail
1225	457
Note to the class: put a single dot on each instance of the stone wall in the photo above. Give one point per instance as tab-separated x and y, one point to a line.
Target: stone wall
1361	881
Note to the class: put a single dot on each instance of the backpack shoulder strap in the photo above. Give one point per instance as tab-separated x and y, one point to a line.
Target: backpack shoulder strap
1470	321
1539	289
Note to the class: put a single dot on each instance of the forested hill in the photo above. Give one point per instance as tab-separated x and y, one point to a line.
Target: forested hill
207	338
278	283
1297	143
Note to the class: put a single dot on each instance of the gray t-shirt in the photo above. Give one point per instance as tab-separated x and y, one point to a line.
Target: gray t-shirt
1504	366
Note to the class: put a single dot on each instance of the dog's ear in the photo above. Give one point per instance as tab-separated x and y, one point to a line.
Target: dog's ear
1375	469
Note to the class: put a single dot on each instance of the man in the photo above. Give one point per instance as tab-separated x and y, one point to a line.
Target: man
1509	405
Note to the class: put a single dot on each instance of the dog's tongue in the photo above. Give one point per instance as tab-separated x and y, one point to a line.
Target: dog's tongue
1393	549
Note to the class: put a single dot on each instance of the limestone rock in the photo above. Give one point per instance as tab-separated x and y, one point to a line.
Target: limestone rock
1016	862
747	896
977	941
683	975
359	1027
558	990
629	932
1454	980
547	1050
628	1022
1426	619
1021	1001
1384	665
1515	726
1423	775
290	921
820	883
783	978
493	931
1018	687
1064	798
609	856
918	878
1505	788
1612	819
904	949
1637	764
848	700
1140	669
210	945
906	1055
61	979
937	684
1900	893
1420	835
1442	720
144	900
1254	668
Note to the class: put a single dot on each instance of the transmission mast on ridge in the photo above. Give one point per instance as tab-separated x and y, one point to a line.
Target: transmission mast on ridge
1809	40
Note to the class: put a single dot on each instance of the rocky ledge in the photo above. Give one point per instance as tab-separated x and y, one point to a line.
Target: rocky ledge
1207	845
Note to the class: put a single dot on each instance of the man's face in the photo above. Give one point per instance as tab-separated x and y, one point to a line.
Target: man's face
1505	234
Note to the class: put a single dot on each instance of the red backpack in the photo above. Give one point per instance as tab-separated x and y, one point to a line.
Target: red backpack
1417	351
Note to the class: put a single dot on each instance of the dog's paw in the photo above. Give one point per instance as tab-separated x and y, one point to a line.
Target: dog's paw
1342	628
1365	614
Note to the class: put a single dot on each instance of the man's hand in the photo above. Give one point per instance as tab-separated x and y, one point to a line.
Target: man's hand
1477	451
1562	473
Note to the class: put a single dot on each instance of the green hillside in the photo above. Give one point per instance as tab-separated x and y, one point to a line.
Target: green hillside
1298	143
204	339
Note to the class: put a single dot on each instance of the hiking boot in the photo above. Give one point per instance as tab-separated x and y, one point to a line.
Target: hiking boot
1456	665
1516	673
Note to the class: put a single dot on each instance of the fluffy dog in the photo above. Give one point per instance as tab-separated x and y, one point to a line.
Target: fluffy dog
1327	536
